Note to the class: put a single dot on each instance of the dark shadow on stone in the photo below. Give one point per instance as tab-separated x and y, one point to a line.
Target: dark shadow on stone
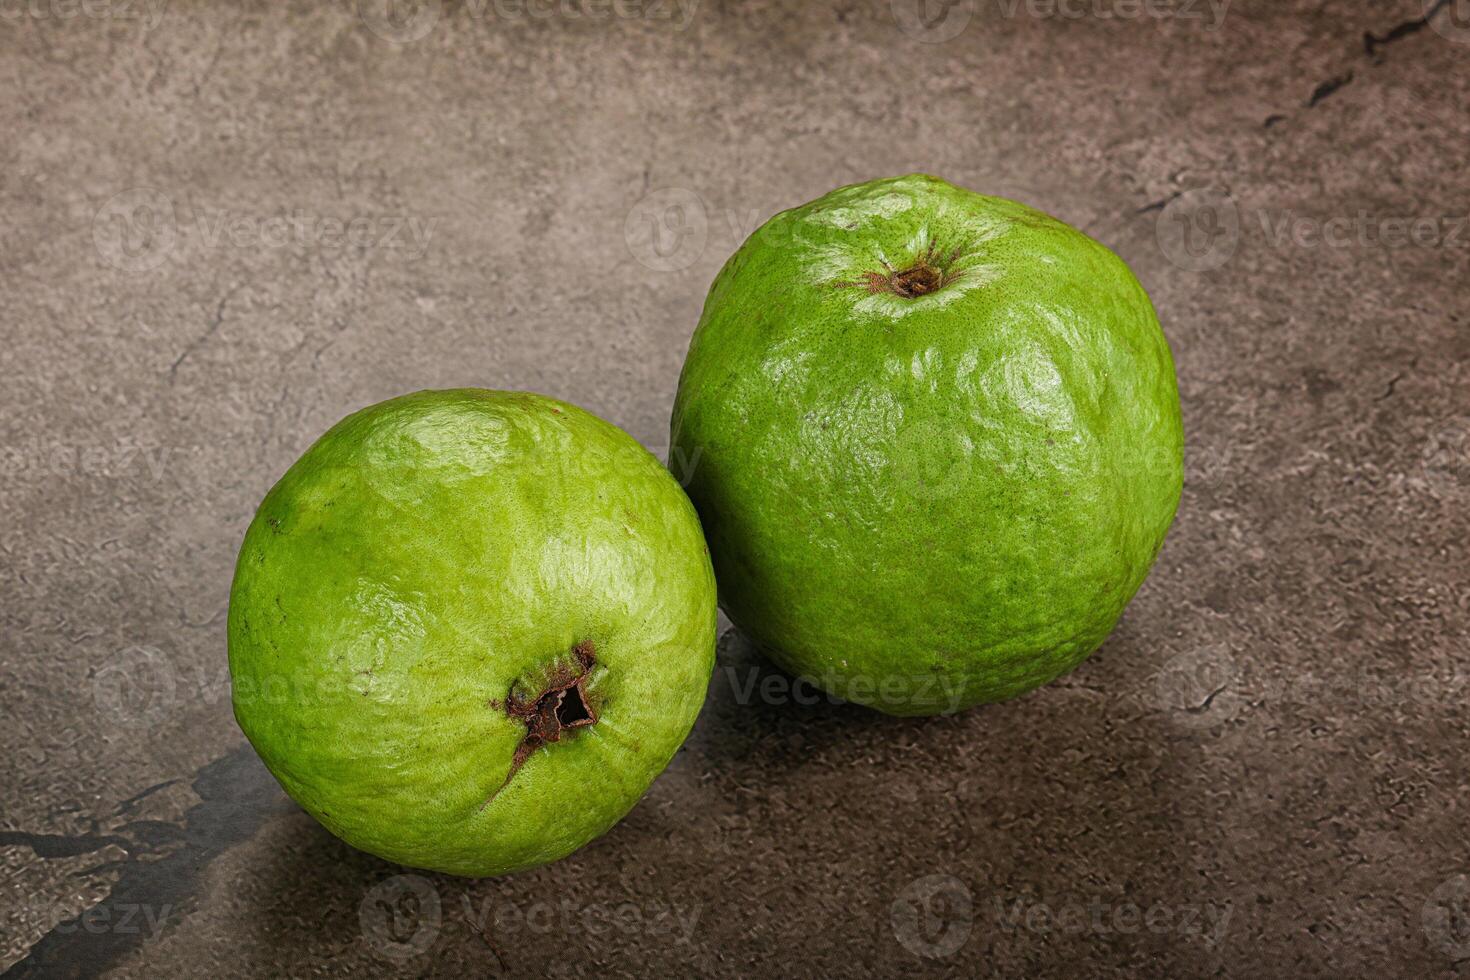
236	795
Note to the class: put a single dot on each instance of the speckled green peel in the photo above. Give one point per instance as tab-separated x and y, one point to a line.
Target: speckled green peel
468	628
938	443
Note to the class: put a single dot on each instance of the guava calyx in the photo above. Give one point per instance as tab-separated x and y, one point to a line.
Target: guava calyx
929	272
561	705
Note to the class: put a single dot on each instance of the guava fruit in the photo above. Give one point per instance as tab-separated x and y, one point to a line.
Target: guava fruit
468	628
938	443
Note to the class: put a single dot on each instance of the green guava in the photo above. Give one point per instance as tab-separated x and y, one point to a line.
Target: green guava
468	628
936	443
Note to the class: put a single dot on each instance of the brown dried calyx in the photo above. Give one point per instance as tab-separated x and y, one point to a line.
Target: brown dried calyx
561	706
925	275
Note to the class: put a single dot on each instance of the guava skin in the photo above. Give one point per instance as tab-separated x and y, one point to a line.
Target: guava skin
937	443
415	582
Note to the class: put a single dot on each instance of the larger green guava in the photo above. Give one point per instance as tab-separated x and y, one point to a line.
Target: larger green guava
935	443
468	628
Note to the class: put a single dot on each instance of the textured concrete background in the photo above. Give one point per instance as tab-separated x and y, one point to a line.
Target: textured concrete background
226	228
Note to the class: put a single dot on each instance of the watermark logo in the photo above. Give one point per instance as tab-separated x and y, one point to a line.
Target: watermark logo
1365	230
400	21
1446	457
933	916
148	12
42	459
1450	19
1209	13
1195	687
135	230
570	917
929	458
1206	464
401	917
1198	230
755	685
1206	921
667	230
1446	917
681	462
106	918
1206	687
135	687
932	21
405	21
936	21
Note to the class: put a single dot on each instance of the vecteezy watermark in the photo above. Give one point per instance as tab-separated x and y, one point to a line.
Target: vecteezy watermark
679	461
1208	14
138	229
935	21
1197	689
931	457
668	229
933	916
1206	921
44	458
136	686
139	685
570	917
1446	917
114	918
1208	463
1201	230
1198	230
405	21
401	917
1365	229
1209	686
147	12
1446	457
400	21
1449	18
135	230
932	21
754	685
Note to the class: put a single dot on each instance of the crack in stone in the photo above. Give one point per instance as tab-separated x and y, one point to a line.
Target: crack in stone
1325	89
1372	42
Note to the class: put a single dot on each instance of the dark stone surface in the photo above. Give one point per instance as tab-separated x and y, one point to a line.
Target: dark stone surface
1260	774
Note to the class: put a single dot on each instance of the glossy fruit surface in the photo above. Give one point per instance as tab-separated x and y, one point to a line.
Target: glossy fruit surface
468	628
938	442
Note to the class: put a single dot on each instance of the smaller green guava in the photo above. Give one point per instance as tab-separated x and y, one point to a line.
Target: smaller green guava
468	628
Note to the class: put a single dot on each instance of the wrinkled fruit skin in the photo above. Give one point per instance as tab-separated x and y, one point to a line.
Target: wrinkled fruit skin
420	577
934	482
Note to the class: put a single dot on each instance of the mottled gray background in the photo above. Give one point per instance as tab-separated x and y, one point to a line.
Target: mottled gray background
224	228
